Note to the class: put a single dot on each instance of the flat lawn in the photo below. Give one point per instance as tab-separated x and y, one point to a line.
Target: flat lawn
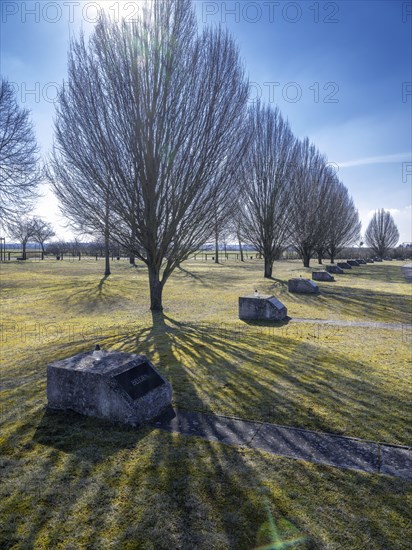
64	476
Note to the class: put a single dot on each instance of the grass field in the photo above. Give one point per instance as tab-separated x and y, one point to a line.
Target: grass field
73	482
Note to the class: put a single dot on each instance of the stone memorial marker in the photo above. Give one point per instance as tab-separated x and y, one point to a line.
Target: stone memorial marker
122	387
261	308
322	276
369	261
334	269
353	262
302	286
344	265
361	262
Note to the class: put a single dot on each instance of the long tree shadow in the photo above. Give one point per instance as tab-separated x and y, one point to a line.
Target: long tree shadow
351	301
89	298
101	284
192	275
61	430
200	494
367	304
264	373
384	273
183	349
84	453
204	505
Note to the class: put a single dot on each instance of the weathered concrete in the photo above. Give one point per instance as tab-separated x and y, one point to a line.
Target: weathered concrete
302	286
404	327
344	265
322	276
334	269
353	262
261	308
396	461
296	443
318	447
122	387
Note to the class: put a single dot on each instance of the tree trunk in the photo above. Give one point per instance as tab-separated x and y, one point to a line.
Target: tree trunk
106	256
306	259
240	249
319	258
268	267
216	247
132	259
24	250
332	259
107	239
156	289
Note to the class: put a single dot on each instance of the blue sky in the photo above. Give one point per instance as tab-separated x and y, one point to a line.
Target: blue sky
339	71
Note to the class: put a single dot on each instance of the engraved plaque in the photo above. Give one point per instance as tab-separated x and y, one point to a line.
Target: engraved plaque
139	379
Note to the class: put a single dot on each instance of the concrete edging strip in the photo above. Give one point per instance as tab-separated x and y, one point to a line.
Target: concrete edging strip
321	448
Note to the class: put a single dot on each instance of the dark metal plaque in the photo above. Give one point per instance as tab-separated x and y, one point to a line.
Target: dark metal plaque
139	379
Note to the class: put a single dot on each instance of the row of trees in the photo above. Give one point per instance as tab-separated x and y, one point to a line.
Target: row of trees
30	230
149	134
381	237
290	195
156	150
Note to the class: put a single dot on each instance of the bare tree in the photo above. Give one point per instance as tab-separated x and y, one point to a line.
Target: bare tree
152	115
42	232
88	211
382	233
19	161
223	216
235	223
344	225
265	184
23	230
309	200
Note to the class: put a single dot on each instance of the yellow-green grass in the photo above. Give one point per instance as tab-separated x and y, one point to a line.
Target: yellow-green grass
81	483
65	477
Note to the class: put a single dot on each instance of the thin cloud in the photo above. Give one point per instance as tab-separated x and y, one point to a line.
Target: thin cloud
382	159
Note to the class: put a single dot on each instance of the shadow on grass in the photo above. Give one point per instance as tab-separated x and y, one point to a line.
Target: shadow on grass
367	304
279	284
101	284
384	273
149	486
352	301
260	371
74	433
87	483
89	298
272	325
192	275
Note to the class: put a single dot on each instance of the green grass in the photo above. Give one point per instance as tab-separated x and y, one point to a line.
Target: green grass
73	482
